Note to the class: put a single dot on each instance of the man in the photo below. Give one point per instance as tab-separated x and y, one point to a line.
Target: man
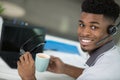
95	35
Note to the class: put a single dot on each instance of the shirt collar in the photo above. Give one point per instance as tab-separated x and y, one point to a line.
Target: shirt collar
98	52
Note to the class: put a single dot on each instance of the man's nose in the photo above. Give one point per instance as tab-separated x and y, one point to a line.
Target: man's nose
86	31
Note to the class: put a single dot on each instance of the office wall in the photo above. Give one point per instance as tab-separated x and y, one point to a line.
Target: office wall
59	17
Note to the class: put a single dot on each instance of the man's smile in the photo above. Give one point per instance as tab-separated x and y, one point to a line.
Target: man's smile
85	41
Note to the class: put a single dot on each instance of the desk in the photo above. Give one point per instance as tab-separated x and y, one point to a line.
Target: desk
7	73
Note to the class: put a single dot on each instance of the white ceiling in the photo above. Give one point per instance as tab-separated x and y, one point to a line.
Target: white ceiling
59	17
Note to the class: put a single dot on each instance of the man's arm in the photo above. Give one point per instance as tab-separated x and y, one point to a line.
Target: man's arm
73	71
57	66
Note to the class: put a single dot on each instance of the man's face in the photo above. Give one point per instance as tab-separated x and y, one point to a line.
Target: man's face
92	28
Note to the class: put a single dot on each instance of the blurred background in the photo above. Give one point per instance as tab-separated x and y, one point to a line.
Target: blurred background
58	17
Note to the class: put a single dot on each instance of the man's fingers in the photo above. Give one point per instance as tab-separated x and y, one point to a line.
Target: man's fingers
53	58
21	59
30	57
18	64
26	57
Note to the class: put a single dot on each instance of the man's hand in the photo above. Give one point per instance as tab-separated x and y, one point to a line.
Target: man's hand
26	67
56	65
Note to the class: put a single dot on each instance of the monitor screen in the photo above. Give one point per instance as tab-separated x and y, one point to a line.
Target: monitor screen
14	35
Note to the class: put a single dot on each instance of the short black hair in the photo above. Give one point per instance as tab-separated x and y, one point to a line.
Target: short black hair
109	8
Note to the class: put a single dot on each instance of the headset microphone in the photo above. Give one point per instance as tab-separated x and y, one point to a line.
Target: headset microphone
102	40
112	30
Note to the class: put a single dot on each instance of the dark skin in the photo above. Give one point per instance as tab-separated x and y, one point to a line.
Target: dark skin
26	73
91	29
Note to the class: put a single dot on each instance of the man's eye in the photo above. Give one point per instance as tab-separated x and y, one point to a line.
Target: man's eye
93	27
81	25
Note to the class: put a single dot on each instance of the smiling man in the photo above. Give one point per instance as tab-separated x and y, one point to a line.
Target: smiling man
92	28
95	30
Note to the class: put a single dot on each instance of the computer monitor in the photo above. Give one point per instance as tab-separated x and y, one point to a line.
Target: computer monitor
14	35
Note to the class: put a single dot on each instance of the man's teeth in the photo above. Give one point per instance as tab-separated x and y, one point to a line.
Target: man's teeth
86	40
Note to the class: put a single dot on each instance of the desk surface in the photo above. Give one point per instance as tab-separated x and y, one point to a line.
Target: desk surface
7	73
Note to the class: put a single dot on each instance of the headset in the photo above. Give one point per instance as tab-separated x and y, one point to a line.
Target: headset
112	30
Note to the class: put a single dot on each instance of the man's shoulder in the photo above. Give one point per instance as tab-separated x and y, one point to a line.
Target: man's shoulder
111	57
114	50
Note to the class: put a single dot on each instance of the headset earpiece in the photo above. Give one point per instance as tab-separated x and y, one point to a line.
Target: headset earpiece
112	29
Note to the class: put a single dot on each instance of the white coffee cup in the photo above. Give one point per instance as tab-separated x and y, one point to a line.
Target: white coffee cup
41	62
